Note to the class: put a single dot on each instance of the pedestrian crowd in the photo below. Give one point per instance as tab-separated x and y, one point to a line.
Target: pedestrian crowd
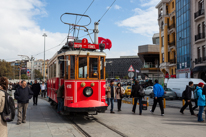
23	93
137	94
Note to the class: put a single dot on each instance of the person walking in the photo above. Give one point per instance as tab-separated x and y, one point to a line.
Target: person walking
119	95
43	89
136	95
3	87
22	95
36	90
110	91
188	93
60	98
201	101
158	97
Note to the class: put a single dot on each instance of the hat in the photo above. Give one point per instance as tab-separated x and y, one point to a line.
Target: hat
200	84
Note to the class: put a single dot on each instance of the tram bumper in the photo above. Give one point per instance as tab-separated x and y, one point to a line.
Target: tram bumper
87	106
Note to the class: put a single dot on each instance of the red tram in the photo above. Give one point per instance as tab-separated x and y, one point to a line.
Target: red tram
80	66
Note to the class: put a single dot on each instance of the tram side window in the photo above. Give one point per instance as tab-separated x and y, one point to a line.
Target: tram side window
82	67
66	63
93	67
54	69
72	67
102	67
61	63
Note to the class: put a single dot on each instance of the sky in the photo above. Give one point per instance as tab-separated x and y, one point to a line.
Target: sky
128	24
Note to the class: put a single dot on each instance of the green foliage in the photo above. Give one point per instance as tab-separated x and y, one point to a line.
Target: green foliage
107	75
24	76
116	77
37	74
6	69
125	77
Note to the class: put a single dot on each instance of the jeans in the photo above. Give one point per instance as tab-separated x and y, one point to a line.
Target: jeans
159	100
119	104
135	104
35	99
195	105
190	106
110	100
201	109
60	104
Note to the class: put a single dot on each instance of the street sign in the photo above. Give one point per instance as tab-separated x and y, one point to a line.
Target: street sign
131	74
131	69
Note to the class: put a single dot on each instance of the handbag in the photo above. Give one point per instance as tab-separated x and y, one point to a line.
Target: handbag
144	105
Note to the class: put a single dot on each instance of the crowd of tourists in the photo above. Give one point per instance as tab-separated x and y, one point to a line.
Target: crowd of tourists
137	93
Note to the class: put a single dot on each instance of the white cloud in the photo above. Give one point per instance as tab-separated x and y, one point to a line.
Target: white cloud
20	34
143	22
149	3
117	7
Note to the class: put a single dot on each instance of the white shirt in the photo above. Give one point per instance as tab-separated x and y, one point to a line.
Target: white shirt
43	87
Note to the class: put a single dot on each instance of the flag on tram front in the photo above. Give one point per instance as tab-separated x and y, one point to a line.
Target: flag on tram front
107	42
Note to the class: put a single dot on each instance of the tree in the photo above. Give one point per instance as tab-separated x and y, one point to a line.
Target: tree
125	77
107	75
24	76
6	69
37	74
116	77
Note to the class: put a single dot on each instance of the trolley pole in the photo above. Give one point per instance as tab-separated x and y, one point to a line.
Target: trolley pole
44	35
96	31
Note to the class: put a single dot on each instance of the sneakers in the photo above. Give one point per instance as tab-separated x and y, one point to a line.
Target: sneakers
18	123
151	111
162	114
24	121
181	112
112	112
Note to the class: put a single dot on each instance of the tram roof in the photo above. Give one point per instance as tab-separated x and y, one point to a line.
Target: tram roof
77	52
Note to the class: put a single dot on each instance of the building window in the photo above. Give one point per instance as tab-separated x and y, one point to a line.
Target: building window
198	52
162	26
173	5
203	52
203	27
162	57
163	41
201	4
198	29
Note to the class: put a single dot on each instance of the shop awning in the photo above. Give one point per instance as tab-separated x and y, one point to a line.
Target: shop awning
199	68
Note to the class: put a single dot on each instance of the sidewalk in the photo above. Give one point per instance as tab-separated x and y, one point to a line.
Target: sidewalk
42	121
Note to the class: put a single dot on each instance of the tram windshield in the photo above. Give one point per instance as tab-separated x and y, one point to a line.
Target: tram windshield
82	67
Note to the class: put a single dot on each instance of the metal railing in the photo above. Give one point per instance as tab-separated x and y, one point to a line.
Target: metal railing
171	26
171	43
199	13
198	60
199	36
173	61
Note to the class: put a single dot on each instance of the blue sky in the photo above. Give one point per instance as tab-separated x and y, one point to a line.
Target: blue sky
129	23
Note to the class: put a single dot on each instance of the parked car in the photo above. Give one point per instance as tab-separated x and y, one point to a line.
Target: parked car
128	90
169	94
148	90
178	85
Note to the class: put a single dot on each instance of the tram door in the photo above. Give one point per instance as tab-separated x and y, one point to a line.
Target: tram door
61	70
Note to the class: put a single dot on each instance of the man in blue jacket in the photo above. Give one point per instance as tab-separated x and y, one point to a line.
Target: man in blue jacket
158	97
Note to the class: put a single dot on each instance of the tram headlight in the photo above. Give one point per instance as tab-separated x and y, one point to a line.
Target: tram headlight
87	91
101	46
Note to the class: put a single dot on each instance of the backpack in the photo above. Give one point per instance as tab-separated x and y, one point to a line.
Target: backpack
183	94
8	113
195	94
141	92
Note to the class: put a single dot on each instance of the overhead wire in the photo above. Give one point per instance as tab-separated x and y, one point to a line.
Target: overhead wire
107	11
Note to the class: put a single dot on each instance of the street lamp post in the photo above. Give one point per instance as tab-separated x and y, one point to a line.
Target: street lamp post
44	35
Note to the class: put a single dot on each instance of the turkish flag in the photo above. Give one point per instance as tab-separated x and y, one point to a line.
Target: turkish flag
107	42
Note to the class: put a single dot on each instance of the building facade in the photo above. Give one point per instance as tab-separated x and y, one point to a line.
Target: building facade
149	55
198	39
45	71
118	67
167	37
183	38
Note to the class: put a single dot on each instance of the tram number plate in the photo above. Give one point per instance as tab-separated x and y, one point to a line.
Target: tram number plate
92	113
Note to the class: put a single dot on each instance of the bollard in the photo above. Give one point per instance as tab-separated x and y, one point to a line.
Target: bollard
183	102
147	101
164	103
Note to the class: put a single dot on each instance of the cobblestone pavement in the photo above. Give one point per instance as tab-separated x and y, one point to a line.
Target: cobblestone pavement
42	121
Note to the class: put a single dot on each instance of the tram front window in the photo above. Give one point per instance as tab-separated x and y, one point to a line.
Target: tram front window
93	68
82	67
